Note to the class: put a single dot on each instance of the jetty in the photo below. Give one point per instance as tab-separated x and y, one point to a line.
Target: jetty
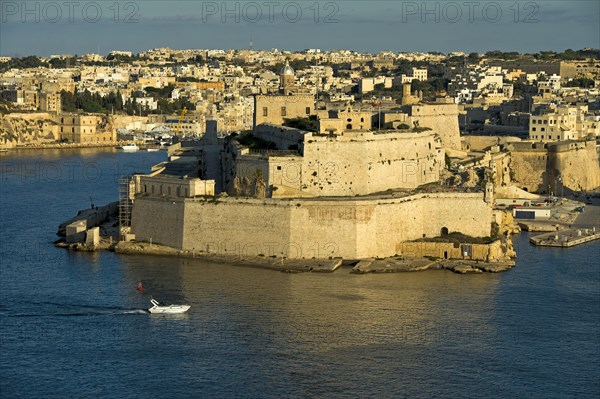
566	238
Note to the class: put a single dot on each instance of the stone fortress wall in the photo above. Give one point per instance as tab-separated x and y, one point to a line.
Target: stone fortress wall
361	163
576	164
439	117
539	167
347	164
351	228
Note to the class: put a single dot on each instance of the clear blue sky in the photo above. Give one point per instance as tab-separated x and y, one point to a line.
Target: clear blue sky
51	27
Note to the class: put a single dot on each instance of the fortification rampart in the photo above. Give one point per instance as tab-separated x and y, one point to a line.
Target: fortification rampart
361	163
542	168
441	118
350	228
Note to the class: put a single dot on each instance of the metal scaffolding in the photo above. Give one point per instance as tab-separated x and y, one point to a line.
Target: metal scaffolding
125	205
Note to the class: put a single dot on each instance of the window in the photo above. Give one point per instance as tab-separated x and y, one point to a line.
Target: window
543	129
265	111
278	167
145	188
283	111
533	129
307	110
349	126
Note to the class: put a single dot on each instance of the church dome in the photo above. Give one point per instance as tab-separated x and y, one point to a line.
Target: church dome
287	69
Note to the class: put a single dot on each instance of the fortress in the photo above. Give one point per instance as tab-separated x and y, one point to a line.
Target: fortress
365	227
544	167
348	192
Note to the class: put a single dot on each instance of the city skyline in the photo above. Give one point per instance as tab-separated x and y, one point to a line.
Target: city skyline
89	27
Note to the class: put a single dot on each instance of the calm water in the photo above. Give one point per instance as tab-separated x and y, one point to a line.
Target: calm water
73	324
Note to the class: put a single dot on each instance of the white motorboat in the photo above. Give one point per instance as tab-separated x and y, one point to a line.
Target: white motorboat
130	147
167	309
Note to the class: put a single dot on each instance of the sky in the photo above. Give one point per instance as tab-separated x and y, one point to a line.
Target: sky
77	27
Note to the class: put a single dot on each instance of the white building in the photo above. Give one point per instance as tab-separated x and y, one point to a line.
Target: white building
563	122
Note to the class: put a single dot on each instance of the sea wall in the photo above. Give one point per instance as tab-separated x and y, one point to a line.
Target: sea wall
158	220
308	228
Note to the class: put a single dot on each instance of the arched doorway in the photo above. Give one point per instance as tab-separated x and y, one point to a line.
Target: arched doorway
444	231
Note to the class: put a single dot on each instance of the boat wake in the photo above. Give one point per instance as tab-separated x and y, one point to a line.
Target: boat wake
53	309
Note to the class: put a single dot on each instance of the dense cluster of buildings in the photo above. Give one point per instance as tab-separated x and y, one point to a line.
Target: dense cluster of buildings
391	147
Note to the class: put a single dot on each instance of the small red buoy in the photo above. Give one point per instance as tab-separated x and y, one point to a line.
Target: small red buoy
140	287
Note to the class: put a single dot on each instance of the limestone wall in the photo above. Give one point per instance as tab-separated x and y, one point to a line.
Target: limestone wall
448	250
307	228
441	118
159	220
577	165
275	109
528	166
284	137
539	168
173	186
360	163
28	128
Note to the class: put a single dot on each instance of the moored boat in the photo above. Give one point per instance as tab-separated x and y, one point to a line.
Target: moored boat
130	147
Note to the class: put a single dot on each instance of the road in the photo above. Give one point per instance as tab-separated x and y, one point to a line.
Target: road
590	217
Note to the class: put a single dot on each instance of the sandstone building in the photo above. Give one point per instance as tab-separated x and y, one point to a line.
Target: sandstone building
291	101
85	129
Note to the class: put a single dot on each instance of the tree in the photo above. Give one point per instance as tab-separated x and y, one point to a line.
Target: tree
473	58
580	82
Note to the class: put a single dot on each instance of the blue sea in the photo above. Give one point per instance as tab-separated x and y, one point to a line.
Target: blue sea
73	325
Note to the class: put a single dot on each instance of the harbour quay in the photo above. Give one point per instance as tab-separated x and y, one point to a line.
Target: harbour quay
566	238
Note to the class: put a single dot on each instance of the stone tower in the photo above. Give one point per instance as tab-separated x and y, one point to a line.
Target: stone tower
407	97
287	79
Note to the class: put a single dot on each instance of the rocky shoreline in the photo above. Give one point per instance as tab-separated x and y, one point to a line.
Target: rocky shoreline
387	265
399	264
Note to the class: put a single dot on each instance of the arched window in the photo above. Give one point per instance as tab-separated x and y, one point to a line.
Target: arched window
349	126
444	231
